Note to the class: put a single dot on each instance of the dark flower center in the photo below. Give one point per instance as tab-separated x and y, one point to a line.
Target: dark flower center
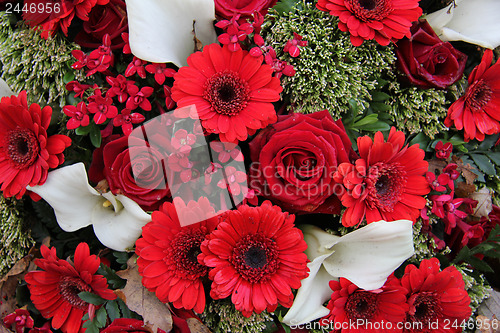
369	10
185	250
478	95
227	93
70	287
22	147
361	305
385	184
255	257
424	307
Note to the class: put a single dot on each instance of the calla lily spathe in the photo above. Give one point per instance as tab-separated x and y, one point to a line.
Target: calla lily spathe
5	89
162	30
117	220
366	257
472	21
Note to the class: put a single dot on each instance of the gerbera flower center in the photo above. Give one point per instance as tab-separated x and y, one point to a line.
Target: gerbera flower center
70	287
227	93
186	248
255	257
369	10
478	95
22	147
424	307
385	184
361	305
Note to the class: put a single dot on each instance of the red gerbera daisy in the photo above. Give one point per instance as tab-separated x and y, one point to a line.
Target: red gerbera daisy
477	110
387	182
437	299
257	256
168	254
26	153
232	91
382	20
54	290
358	310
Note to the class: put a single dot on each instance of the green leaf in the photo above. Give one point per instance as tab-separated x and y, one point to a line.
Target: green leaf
420	139
353	106
113	310
484	164
101	317
378	96
83	130
456	140
380	107
91	298
370	119
95	136
90	327
68	77
126	313
479	264
285	6
376	126
495	157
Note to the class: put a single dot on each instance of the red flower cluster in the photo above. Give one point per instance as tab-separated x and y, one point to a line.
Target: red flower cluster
26	152
382	20
425	299
54	290
386	183
477	110
230	8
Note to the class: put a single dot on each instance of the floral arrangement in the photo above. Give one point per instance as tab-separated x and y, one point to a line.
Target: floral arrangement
249	166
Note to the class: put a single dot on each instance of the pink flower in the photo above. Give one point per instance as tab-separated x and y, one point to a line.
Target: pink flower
79	115
226	150
19	319
182	141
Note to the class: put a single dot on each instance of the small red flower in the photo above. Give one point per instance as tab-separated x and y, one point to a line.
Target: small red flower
77	87
26	152
279	67
292	46
382	20
476	112
119	87
120	325
139	98
126	47
257	257
443	150
79	115
136	66
182	141
435	298
126	119
160	71
226	151
234	33
386	183
54	290
366	309
20	319
102	108
168	253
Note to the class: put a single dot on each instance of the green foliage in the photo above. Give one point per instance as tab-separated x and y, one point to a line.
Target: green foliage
114	281
15	239
222	317
330	70
40	66
99	321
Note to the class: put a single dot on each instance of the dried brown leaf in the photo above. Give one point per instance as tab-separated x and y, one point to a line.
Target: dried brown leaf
9	283
487	325
195	326
155	313
464	190
436	165
465	170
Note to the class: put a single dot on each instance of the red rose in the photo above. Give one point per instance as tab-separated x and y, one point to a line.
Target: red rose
229	8
149	189
427	61
295	159
109	19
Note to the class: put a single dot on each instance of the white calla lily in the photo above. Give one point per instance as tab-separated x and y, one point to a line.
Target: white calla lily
5	89
162	30
117	220
366	257
472	21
